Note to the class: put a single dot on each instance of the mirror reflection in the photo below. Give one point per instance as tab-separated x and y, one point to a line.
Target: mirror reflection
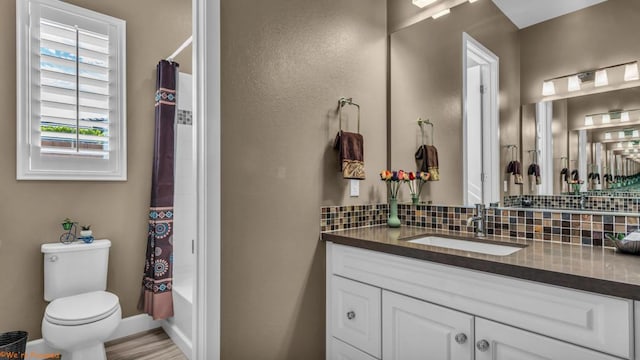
469	76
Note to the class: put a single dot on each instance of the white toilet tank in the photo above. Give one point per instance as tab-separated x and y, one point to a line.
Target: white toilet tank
75	268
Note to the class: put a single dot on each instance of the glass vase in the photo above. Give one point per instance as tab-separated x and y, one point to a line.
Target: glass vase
393	221
415	199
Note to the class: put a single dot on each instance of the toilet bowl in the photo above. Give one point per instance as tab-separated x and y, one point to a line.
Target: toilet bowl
81	314
78	325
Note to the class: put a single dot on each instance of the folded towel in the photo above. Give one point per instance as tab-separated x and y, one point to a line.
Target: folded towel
427	161
351	150
517	173
534	176
564	180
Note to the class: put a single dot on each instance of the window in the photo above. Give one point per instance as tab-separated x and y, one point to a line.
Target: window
71	93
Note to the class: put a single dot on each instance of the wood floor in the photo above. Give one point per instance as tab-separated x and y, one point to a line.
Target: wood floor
154	344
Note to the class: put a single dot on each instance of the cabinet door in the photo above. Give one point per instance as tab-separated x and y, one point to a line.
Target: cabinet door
414	329
500	342
343	351
356	314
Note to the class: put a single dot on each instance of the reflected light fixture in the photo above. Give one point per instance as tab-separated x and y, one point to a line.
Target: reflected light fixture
621	135
624	116
631	72
601	78
423	3
607	136
548	88
620	145
573	83
588	120
441	13
606	118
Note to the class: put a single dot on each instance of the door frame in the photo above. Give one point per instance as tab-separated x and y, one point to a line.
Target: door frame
207	121
491	137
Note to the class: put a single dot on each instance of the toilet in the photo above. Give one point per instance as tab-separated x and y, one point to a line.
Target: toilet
81	315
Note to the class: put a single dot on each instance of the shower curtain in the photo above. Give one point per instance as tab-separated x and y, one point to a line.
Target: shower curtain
156	298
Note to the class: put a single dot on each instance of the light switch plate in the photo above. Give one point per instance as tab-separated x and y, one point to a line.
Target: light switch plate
354	186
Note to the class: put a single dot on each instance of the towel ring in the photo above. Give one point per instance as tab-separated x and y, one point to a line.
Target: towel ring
347	101
425	122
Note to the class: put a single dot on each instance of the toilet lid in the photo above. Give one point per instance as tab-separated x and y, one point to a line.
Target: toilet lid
82	308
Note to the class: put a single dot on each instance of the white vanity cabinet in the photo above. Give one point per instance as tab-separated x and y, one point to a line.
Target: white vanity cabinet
425	310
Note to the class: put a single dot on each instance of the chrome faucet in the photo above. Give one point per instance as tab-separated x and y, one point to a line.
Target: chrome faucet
583	202
478	221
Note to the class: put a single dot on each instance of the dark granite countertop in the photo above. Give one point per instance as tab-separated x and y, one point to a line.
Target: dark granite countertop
594	269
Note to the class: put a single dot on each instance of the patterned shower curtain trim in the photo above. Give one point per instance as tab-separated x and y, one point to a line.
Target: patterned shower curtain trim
156	298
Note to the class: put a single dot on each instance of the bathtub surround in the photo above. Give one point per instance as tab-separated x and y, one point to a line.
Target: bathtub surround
534	224
156	298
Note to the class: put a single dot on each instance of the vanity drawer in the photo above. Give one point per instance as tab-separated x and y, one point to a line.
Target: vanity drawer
356	310
594	321
342	351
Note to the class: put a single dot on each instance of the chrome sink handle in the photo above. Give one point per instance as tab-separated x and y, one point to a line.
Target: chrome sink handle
461	338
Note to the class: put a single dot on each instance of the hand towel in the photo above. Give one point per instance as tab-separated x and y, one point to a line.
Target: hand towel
534	176
575	175
517	173
564	180
351	151
427	161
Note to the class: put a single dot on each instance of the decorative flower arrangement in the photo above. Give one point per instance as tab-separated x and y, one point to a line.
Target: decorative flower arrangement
394	180
416	180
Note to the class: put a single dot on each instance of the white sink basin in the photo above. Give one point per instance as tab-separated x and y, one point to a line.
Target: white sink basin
467	245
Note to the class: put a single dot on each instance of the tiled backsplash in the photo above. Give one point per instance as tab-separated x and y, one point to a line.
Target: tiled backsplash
591	202
534	224
352	216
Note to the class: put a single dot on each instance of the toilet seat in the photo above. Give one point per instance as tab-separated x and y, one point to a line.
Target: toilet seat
82	309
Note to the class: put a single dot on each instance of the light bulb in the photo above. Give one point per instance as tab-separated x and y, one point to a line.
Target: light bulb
601	78
631	72
548	88
624	116
606	118
607	136
441	13
423	3
573	83
588	120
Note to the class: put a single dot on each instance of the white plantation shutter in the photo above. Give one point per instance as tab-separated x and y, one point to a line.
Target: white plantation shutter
72	125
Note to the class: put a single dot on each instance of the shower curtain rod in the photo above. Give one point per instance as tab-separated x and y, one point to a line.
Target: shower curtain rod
182	47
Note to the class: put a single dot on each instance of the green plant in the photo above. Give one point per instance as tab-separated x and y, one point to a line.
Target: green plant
72	130
86	227
67	224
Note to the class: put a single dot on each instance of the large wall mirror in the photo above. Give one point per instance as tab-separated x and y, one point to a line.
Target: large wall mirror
590	130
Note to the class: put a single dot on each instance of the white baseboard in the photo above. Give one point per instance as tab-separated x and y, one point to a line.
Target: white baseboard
128	326
177	336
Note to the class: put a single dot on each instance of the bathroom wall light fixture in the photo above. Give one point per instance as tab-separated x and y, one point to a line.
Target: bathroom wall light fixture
441	13
596	78
423	3
472	1
588	121
606	119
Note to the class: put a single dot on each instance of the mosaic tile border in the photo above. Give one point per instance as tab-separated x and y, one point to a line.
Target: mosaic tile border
352	216
185	117
539	225
576	202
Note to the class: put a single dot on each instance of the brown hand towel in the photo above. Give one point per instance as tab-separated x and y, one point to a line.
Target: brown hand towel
421	158
517	172
351	149
432	163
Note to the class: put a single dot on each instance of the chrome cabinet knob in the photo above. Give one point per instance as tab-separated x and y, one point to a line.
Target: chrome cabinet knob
482	345
461	338
351	315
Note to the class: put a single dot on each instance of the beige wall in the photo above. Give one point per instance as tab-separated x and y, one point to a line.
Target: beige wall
285	64
426	81
601	35
31	210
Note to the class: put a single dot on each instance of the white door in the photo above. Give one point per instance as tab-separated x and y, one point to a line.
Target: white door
417	330
481	118
474	136
500	342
